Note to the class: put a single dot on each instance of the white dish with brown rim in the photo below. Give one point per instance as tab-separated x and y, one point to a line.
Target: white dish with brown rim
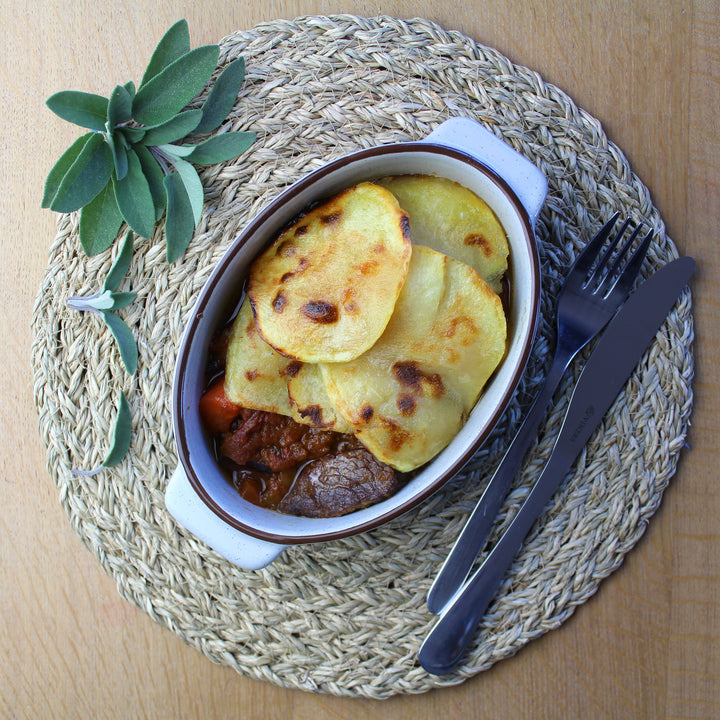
199	496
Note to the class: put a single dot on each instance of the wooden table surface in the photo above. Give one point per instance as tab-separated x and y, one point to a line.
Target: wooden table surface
646	646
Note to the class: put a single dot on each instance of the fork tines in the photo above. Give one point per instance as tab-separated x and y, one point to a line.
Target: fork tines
612	267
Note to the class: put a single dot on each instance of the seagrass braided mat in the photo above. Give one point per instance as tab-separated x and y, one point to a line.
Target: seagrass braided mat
347	617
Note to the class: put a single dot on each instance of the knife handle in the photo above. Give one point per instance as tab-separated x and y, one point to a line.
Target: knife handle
446	643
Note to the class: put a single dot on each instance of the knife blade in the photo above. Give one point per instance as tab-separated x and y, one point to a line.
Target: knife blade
612	361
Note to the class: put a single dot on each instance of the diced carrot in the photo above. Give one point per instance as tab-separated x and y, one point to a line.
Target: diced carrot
216	410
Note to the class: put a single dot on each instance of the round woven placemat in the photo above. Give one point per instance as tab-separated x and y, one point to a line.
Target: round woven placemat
347	617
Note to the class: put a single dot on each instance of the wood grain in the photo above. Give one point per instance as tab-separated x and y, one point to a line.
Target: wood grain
646	646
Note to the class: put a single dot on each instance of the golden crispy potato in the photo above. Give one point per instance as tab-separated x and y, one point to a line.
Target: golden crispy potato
326	288
409	394
453	220
256	376
309	401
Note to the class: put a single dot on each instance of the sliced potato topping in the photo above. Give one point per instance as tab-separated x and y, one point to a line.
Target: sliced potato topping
452	219
256	375
310	403
348	328
325	290
408	395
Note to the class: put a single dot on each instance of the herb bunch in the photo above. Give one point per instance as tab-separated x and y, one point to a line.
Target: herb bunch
135	164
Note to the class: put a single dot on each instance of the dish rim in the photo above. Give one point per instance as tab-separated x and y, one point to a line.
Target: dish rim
237	246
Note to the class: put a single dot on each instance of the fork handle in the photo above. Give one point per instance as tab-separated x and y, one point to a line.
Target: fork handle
474	535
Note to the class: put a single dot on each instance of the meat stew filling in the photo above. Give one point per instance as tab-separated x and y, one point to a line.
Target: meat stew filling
277	463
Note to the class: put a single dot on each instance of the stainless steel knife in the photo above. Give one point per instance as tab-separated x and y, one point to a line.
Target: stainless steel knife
609	366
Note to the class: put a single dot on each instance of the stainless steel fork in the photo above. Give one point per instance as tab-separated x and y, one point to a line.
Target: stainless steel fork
596	285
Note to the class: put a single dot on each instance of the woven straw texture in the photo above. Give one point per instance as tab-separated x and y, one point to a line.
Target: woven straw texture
348	617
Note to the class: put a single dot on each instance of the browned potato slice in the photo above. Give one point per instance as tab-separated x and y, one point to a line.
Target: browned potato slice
255	375
309	401
325	290
449	218
409	394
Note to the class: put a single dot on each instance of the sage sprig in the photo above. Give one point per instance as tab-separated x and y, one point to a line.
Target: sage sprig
136	163
106	300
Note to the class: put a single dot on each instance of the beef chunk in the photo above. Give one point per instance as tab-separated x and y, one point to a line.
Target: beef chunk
338	484
275	441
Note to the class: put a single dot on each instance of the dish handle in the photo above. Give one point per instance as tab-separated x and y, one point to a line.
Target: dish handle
469	136
184	504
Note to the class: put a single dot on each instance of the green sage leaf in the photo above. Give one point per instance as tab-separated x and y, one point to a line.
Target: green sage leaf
122	139
173	45
222	95
120	154
167	93
132	134
121	264
193	187
121	299
119	107
154	175
179	224
61	167
130	87
220	148
124	338
84	109
86	177
122	434
176	150
100	221
175	129
134	198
